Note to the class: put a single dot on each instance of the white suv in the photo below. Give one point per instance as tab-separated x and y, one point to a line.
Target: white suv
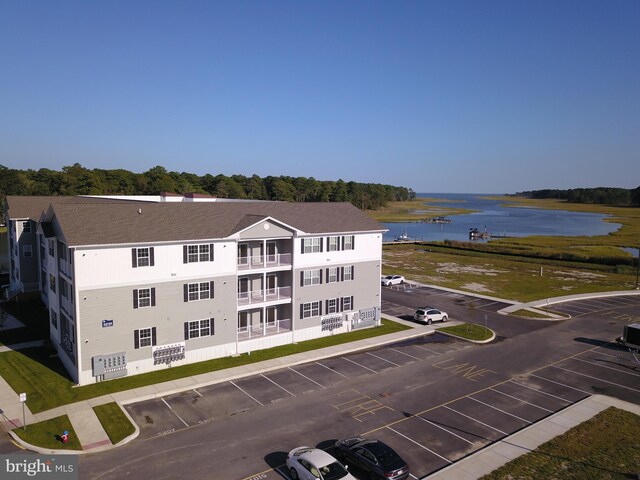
429	314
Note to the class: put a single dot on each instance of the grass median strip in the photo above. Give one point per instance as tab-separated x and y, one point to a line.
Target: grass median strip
47	434
470	331
604	447
44	379
114	421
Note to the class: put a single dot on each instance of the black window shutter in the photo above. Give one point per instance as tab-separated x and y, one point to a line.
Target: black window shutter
320	307
136	339
353	307
326	305
211	252
301	310
342	304
213	330
328	243
321	244
211	289
151	257
302	245
353	272
342	241
185	254
302	278
186	292
353	242
153	297
320	276
135	298
186	330
327	273
341	274
153	336
134	258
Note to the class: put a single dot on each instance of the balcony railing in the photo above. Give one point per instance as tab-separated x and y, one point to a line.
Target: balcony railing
264	261
246	332
261	296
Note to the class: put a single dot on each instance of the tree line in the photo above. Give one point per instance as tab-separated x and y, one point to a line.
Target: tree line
78	180
599	195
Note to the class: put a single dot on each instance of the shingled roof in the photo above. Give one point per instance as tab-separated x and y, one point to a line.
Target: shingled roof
23	206
104	223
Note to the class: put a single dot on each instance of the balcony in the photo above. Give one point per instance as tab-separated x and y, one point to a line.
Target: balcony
261	296
251	331
253	262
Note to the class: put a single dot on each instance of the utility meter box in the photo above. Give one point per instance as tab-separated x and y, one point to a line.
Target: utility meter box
631	336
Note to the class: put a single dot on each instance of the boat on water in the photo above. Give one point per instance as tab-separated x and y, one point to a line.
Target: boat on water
477	234
403	237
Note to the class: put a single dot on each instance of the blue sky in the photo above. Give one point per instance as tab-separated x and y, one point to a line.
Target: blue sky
439	96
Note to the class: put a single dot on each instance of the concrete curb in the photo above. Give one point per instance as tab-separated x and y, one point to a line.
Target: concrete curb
479	342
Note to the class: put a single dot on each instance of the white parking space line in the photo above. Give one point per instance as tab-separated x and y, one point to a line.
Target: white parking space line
561	384
247	394
277	385
332	370
608	354
198	393
406	354
446	430
475	420
605	366
596	378
520	400
429	350
356	363
304	376
383	359
498	409
420	445
540	391
486	304
174	412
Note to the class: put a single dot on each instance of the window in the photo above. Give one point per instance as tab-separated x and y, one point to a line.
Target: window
310	309
142	257
197	253
145	337
311	277
347	303
52	248
312	245
333	244
332	305
332	275
52	283
198	328
348	273
54	319
26	227
144	297
27	251
348	242
198	291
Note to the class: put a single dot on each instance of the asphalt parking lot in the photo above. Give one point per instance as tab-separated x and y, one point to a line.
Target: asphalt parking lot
433	423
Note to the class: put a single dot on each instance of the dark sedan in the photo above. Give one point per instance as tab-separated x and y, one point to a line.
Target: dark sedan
374	457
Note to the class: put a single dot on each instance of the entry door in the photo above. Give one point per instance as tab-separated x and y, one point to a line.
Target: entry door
272	252
243	254
243	288
272	316
272	284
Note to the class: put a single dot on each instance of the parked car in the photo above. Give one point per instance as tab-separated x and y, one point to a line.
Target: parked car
430	314
392	280
306	463
376	458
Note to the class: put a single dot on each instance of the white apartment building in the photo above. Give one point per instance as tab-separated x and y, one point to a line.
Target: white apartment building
133	286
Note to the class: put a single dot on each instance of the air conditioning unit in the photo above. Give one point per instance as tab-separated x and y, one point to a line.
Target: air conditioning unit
631	336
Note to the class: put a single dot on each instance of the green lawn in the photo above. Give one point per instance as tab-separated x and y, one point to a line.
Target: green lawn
605	447
44	379
470	331
114	421
47	434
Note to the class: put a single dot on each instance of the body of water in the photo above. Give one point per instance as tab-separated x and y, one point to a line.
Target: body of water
500	221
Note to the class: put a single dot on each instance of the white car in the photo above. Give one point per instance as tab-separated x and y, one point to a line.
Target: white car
430	314
392	280
306	463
